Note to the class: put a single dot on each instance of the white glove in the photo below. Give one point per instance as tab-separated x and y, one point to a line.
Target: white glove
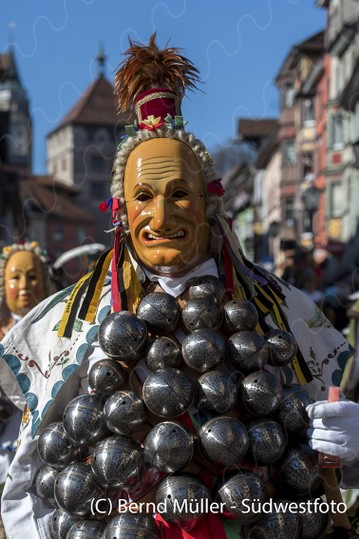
335	429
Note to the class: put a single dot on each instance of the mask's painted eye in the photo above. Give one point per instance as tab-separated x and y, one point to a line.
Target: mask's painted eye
179	193
143	197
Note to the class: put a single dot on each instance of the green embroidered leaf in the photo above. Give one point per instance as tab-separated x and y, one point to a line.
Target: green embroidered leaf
78	325
56	326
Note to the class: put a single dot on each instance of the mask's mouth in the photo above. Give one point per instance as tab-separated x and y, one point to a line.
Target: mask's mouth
149	236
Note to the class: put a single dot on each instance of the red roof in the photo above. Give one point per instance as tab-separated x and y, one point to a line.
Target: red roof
97	106
256	128
51	201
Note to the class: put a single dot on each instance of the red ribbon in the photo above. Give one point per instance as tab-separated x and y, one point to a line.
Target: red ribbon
208	527
215	188
115	288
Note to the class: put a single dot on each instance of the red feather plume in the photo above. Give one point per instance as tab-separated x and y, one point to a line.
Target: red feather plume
146	66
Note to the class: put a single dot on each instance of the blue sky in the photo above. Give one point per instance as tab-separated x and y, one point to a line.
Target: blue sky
238	46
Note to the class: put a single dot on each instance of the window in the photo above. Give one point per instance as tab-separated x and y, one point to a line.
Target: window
289	210
336	199
288	151
288	94
81	234
97	190
58	233
336	131
308	166
308	111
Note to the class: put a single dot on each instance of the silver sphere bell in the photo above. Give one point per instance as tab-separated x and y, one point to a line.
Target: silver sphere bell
84	420
291	412
44	485
207	285
123	335
106	376
187	493
76	488
267	441
216	392
203	350
239	315
241	488
160	311
168	447
124	412
117	463
261	393
280	525
247	351
60	523
55	447
282	347
168	392
314	523
223	441
131	526
86	529
163	352
201	313
297	472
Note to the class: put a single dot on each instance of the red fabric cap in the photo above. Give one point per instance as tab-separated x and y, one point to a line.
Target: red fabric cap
157	102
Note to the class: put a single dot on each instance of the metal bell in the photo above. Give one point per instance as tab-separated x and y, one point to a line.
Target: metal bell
282	347
216	392
183	500
314	523
261	393
106	376
60	523
201	313
163	352
297	472
267	441
131	526
124	412
84	420
86	529
280	525
123	335
291	412
243	487
207	285
247	351
203	350
44	485
168	392
160	311
168	447
117	463
55	447
76	488
223	441
239	315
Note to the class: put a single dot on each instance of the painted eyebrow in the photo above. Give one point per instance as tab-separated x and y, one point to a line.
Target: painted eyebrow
170	183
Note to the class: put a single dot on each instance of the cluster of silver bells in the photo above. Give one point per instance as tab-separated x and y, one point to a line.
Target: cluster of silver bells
229	357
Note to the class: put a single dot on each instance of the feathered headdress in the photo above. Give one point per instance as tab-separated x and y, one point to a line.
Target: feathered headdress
152	82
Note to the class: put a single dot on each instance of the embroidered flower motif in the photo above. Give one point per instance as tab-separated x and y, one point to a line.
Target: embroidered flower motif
151	122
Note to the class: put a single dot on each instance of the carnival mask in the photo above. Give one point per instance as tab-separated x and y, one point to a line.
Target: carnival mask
24	282
166	206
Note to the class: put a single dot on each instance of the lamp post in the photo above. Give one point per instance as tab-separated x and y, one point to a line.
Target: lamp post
311	197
